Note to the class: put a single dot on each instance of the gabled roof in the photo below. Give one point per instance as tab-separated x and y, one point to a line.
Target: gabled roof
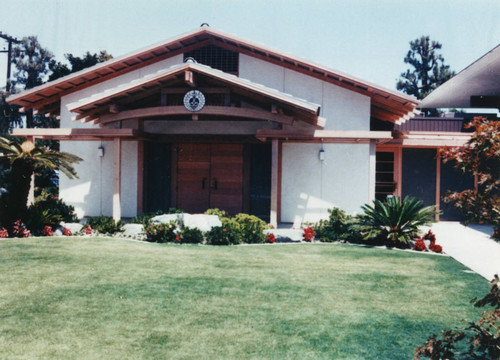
97	105
481	78
387	104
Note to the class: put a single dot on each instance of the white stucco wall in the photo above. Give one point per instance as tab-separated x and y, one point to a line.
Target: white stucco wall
310	186
343	109
92	193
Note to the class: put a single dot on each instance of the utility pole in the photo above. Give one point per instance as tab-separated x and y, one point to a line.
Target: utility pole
10	40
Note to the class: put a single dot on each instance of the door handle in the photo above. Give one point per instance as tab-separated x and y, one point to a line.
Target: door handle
203	181
214	184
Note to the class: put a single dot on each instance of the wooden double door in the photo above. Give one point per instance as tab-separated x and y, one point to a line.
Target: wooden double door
210	176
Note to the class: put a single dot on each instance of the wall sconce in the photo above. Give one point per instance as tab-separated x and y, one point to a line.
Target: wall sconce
100	151
322	155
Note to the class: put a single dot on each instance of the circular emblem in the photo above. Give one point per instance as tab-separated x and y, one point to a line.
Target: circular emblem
194	100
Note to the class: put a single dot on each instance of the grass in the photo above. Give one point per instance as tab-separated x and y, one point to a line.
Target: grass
93	298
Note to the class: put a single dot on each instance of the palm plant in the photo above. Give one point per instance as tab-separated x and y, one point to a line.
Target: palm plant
24	159
394	221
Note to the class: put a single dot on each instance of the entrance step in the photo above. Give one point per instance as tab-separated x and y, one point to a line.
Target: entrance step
286	235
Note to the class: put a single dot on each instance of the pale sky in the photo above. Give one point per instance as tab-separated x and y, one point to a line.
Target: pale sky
366	39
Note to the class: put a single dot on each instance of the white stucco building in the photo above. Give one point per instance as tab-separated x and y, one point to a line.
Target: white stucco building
209	120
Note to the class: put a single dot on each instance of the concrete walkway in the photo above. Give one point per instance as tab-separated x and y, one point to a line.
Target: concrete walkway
471	246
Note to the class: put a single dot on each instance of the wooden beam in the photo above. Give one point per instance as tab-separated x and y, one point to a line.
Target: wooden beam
114	108
189	78
325	134
274	182
117	172
165	111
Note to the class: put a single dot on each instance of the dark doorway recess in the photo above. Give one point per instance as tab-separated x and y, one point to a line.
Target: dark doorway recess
157	176
419	175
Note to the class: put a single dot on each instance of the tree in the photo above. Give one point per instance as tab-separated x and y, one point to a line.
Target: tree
9	115
479	157
24	159
77	63
428	68
32	65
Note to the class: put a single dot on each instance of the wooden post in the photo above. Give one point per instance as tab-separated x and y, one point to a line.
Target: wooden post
372	170
398	171
438	182
274	182
140	176
31	194
117	171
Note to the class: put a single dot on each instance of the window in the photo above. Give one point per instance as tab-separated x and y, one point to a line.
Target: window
215	57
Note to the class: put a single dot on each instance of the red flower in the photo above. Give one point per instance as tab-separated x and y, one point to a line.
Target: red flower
66	232
3	233
88	230
47	231
271	238
435	247
308	234
430	236
178	237
420	245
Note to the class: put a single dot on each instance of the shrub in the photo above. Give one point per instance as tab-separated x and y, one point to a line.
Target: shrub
335	228
271	239
161	233
37	218
220	213
190	236
56	207
105	224
145	219
4	233
482	338
251	228
393	222
220	235
308	234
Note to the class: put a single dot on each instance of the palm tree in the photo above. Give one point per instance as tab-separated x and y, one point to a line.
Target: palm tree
24	159
394	221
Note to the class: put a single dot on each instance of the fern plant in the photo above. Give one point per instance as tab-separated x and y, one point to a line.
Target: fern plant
394	221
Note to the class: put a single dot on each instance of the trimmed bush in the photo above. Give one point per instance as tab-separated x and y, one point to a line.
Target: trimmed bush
190	236
335	228
220	213
161	233
220	235
251	228
105	224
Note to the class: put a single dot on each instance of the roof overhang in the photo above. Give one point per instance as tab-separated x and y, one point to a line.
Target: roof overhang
67	134
477	86
325	136
97	107
387	105
428	139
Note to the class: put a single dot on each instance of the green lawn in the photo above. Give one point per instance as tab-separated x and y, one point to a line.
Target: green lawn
81	298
